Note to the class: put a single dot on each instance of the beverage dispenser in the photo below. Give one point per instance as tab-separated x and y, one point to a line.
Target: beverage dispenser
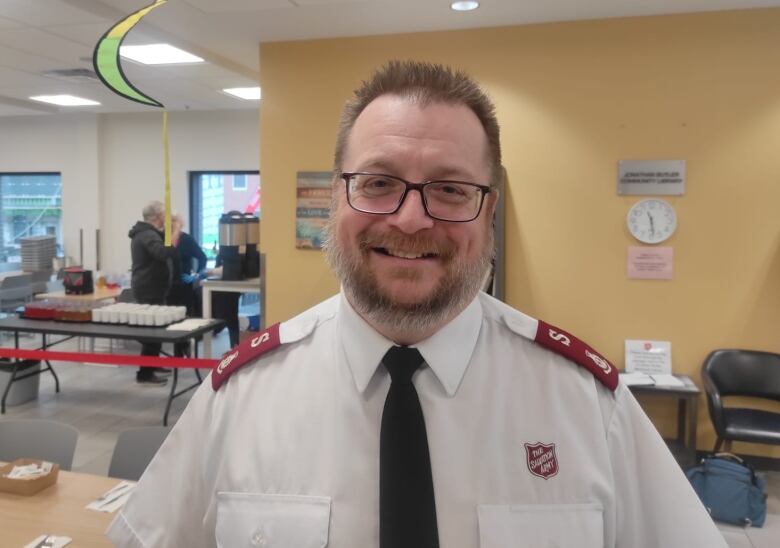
232	238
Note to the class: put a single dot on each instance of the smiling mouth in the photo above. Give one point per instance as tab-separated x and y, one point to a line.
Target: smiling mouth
404	254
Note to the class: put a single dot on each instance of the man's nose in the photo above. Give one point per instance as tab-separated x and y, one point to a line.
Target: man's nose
411	217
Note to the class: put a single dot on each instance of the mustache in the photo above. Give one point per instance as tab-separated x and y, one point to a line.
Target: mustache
418	243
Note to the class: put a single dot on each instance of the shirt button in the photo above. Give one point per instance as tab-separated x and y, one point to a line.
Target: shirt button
257	538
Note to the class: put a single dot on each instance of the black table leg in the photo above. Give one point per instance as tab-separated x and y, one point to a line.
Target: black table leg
50	368
195	355
13	375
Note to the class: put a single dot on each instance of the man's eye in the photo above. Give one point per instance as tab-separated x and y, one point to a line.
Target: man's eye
377	183
451	189
448	190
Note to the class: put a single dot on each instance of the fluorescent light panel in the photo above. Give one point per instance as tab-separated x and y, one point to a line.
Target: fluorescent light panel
464	6
250	94
158	54
64	100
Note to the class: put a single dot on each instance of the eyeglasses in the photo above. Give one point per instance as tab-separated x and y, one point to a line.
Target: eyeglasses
453	201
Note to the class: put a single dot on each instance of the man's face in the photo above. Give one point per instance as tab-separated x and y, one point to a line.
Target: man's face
408	261
159	221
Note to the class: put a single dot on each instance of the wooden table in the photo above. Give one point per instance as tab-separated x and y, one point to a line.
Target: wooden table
57	510
100	294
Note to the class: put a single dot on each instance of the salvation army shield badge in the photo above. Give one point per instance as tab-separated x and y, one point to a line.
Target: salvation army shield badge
542	461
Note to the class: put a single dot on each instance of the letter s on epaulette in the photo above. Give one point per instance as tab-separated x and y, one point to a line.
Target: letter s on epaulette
561	342
247	351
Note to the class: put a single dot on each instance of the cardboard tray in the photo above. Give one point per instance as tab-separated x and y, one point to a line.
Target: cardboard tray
26	487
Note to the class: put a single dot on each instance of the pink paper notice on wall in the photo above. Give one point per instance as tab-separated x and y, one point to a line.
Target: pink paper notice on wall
650	263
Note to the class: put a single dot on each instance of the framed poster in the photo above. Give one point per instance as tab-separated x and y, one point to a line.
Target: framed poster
312	208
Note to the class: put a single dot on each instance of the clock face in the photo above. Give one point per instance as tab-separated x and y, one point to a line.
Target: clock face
651	221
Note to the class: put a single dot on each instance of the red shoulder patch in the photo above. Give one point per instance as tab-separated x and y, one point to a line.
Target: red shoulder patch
247	351
566	344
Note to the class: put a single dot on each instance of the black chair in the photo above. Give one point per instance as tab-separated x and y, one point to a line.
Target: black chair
749	373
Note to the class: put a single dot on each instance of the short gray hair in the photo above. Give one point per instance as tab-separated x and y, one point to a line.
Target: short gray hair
153	210
424	83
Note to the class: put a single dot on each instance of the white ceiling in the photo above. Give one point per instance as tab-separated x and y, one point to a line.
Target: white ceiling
42	35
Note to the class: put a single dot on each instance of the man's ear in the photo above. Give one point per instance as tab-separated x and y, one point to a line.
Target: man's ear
491	201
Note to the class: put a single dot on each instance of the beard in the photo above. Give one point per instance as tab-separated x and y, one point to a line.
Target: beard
457	288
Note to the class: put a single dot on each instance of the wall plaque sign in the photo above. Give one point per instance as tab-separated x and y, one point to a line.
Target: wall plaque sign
651	177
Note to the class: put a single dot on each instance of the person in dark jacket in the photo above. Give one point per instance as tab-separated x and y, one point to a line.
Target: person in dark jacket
190	268
152	270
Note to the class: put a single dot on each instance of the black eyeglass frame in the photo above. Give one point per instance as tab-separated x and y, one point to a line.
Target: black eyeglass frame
484	190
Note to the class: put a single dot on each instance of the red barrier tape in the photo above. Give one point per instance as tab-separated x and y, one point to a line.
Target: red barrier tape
112	359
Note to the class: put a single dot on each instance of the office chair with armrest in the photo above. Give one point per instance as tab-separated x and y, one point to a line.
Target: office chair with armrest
38	439
15	291
134	450
749	373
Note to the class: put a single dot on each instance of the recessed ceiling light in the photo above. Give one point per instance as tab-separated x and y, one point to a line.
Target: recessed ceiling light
464	6
64	100
158	54
250	94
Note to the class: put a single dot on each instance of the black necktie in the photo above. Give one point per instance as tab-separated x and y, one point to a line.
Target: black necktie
407	508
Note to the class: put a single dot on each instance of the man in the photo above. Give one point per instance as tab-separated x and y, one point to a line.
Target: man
152	268
319	431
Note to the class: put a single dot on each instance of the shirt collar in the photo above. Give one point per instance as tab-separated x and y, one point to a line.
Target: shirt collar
447	352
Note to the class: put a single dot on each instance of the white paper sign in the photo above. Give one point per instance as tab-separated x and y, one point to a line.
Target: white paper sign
650	357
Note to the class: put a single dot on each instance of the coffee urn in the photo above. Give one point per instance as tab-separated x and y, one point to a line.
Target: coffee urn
232	237
252	257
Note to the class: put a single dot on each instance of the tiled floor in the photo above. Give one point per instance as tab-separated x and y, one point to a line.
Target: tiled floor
767	536
102	401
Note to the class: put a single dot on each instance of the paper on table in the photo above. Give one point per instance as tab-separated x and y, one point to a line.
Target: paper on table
112	499
29	471
636	379
56	542
667	380
188	325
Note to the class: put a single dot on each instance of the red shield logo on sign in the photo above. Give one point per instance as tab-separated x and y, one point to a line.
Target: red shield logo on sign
541	459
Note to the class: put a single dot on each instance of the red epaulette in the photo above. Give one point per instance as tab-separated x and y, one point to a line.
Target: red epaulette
566	344
247	351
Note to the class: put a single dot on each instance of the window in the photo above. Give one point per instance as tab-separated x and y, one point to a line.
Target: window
30	205
213	193
239	182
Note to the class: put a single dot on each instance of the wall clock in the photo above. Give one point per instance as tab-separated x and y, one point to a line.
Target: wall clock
651	221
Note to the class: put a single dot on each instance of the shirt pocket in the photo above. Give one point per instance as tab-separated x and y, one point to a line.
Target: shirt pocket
272	521
541	526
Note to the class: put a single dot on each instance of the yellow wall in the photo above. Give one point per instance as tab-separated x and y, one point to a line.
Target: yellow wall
573	99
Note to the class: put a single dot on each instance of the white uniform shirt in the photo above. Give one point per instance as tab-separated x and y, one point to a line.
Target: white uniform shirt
286	453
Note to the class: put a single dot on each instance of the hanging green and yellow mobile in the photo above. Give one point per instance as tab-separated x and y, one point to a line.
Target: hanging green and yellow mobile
109	69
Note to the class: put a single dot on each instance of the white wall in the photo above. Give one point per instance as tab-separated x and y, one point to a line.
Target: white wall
66	144
112	165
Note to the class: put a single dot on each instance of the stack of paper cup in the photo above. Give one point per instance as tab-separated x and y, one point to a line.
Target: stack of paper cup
139	314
